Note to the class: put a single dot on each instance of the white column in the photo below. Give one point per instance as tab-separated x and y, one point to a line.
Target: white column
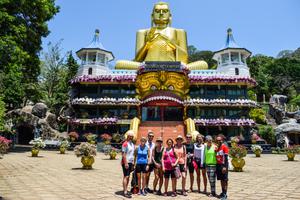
87	57
97	61
240	58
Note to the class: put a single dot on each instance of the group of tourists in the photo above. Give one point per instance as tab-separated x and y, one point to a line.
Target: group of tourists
207	157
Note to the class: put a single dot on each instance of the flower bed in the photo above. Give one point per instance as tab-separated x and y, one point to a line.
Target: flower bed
105	101
221	79
103	78
220	102
224	122
96	121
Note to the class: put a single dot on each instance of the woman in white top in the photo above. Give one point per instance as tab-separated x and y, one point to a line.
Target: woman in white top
199	158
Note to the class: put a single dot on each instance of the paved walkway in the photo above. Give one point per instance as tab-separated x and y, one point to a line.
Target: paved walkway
55	176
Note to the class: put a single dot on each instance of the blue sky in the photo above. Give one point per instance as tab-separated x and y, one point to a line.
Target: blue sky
262	26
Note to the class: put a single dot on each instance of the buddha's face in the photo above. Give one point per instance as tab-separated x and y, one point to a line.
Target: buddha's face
161	14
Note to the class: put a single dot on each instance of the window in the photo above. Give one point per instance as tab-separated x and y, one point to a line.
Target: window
225	58
243	58
90	71
101	58
235	57
237	71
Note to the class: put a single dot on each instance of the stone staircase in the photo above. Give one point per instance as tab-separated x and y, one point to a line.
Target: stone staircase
164	129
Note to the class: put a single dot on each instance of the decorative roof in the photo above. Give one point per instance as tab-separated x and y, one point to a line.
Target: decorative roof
96	45
230	42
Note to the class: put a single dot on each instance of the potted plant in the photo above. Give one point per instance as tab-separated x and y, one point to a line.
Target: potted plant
4	145
73	136
237	153
116	137
254	138
63	146
256	149
87	152
291	152
91	138
234	141
37	144
111	152
106	138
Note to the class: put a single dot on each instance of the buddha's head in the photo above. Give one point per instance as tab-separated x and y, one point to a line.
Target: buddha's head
161	15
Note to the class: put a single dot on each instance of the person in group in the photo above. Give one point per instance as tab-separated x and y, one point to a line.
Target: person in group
222	165
169	162
199	159
150	144
127	161
156	158
141	163
181	153
210	163
189	146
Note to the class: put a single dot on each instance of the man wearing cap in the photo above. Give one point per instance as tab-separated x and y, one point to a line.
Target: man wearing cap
127	160
150	144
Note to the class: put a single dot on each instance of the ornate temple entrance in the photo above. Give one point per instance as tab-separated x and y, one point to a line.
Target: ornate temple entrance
162	111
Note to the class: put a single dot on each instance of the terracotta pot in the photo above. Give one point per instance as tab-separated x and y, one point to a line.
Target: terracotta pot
291	156
238	164
87	162
35	152
62	150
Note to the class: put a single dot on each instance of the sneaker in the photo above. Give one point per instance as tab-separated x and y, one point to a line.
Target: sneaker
148	190
224	197
143	192
158	192
221	195
140	192
127	195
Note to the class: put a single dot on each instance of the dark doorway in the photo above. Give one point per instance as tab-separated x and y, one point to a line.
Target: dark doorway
25	134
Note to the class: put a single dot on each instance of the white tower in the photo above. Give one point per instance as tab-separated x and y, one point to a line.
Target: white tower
94	58
232	58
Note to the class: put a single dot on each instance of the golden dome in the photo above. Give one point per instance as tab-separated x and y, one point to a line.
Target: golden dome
198	65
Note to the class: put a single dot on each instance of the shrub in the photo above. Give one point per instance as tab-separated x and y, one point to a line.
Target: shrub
238	151
267	133
4	145
258	115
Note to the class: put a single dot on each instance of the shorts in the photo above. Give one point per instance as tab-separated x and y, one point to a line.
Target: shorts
190	166
169	173
140	168
126	172
151	168
157	167
181	167
199	164
220	175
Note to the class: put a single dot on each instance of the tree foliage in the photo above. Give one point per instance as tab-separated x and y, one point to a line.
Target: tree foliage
55	76
267	133
22	25
258	115
195	55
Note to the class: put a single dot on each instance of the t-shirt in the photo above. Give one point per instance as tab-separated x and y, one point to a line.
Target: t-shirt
199	153
150	146
210	155
221	152
128	149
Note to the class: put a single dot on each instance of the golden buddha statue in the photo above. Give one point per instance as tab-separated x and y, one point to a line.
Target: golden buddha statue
161	42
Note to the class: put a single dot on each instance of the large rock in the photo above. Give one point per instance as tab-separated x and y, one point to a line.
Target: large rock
51	120
282	132
39	110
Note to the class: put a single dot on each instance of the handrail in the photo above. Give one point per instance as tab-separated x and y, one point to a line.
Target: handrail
191	128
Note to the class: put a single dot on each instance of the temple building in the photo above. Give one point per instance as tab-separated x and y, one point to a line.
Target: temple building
159	90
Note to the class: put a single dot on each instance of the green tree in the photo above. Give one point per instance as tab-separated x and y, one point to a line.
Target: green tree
258	115
72	67
267	133
23	23
2	112
195	55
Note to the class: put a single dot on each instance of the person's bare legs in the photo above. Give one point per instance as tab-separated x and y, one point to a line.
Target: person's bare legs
161	178
191	181
166	185
156	178
125	184
183	176
224	185
139	180
143	181
198	179
204	180
174	185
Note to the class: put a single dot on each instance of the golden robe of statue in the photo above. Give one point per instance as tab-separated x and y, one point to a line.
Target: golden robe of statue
161	42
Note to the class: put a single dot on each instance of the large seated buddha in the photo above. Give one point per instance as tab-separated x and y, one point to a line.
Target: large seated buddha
161	42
